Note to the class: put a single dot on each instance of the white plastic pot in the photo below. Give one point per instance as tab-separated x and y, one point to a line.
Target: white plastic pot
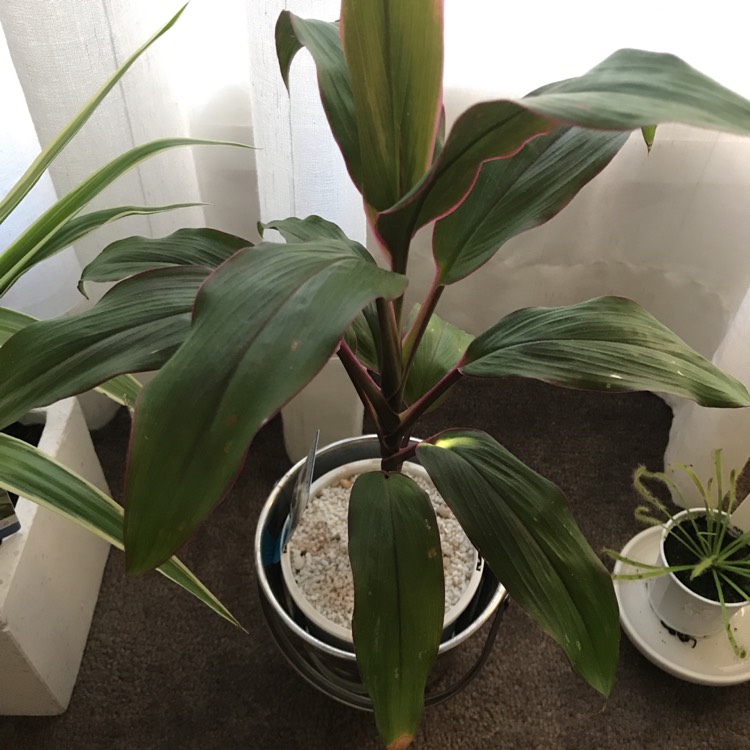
677	606
50	573
331	631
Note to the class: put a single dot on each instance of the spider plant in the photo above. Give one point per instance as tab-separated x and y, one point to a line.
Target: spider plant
26	470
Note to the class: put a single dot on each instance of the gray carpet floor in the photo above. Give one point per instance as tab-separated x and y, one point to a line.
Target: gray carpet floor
161	672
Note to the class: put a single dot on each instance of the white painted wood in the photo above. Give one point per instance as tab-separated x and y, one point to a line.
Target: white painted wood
50	573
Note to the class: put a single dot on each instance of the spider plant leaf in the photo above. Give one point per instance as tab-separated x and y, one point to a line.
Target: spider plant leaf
48	154
30	473
323	42
394	52
135	327
198	246
80	226
26	249
283	303
123	389
394	548
440	349
607	344
519	193
521	525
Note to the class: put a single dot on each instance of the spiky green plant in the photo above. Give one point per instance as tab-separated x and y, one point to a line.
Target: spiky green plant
718	555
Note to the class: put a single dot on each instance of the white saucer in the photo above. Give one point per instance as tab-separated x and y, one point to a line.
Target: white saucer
710	661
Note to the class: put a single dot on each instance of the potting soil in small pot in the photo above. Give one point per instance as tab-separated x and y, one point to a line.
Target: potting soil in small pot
677	553
317	556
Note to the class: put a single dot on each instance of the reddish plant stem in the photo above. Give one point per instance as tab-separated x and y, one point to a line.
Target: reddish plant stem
367	390
418	328
418	408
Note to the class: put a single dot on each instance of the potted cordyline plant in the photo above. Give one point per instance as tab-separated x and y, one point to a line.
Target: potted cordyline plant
236	333
700	578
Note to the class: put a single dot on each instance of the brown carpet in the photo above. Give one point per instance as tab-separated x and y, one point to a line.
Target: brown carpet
161	671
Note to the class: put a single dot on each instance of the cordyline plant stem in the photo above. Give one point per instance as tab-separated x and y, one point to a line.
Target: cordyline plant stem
391	366
367	389
418	328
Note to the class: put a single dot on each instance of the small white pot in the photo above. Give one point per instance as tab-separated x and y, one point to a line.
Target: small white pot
330	630
677	606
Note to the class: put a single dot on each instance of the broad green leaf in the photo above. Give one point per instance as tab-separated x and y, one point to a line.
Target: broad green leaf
23	252
311	228
521	525
394	52
363	337
198	246
440	349
123	389
634	88
518	193
323	42
31	474
135	327
264	323
607	343
80	226
629	90
48	154
486	131
394	548
11	322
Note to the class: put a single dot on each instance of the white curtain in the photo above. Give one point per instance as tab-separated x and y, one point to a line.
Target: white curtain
670	229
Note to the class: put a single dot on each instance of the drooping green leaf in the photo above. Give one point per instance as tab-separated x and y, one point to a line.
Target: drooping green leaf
518	193
48	154
24	251
198	246
394	548
607	343
521	525
394	52
323	42
11	322
486	131
629	90
123	389
440	349
80	226
312	228
135	327
282	304
634	88
31	474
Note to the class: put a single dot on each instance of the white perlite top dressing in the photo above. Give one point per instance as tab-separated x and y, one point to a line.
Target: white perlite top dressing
320	560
